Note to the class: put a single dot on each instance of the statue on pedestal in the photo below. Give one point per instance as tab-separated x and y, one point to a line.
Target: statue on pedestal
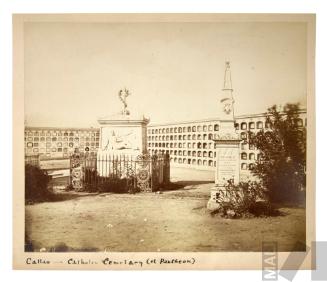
123	133
123	94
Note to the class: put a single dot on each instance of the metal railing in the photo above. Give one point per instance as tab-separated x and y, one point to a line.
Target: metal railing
143	173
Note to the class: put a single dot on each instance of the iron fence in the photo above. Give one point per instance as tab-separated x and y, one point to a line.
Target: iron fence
120	173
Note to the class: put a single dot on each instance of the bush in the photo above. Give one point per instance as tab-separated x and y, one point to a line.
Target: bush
244	199
36	184
282	163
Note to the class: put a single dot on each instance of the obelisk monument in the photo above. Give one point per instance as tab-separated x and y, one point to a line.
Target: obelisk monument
227	144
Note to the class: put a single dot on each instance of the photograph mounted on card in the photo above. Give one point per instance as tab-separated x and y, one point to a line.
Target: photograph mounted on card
163	141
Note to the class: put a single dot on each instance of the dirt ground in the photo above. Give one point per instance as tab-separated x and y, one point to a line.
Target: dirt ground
171	221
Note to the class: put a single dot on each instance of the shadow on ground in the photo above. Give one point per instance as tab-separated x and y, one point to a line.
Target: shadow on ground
183	185
60	197
187	183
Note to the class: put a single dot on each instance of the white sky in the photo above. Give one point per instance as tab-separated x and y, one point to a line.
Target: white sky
73	71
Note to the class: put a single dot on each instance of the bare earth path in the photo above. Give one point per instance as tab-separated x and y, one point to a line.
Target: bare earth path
172	221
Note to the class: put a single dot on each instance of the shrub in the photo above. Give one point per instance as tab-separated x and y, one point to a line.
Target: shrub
36	184
244	199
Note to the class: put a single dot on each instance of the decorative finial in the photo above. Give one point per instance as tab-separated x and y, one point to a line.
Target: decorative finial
123	94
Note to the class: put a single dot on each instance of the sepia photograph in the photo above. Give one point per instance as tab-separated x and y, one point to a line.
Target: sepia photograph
163	141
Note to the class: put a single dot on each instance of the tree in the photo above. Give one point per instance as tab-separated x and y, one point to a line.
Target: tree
281	166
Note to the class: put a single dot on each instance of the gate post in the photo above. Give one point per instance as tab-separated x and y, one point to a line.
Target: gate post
143	173
76	172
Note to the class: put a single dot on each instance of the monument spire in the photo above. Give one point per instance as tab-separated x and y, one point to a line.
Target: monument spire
226	97
228	77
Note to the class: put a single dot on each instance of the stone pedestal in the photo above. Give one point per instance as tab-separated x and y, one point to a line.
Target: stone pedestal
228	161
123	132
227	168
122	136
